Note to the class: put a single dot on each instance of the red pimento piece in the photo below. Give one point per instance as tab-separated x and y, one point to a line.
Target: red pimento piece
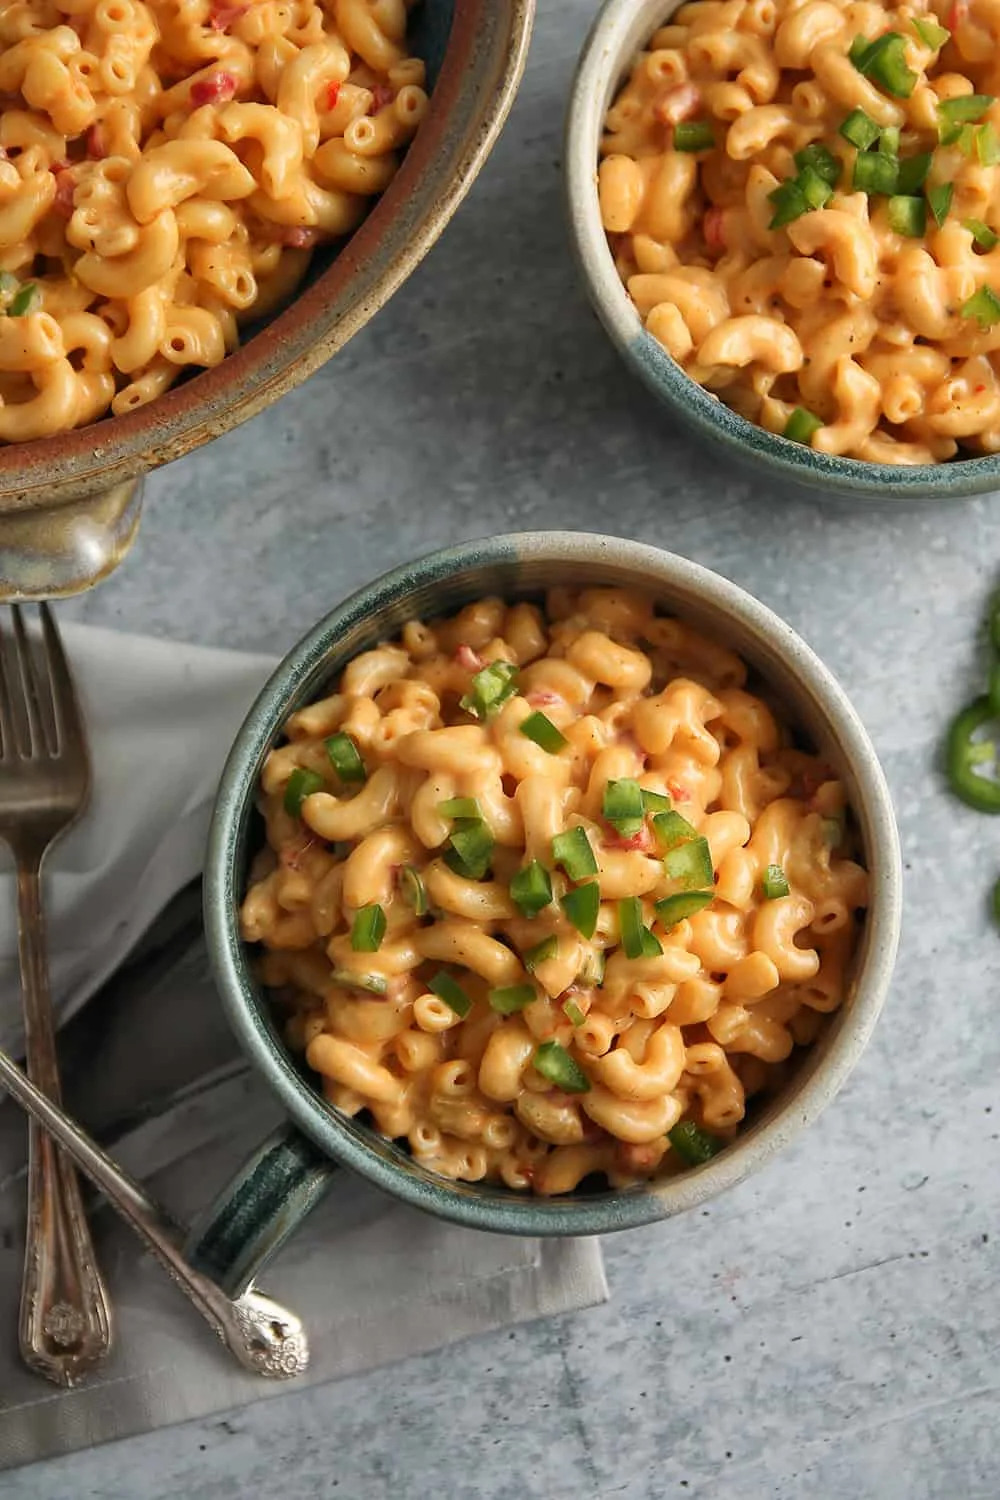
712	228
223	16
62	203
217	88
381	96
957	15
292	854
332	95
633	1158
677	792
296	236
677	104
543	698
96	148
643	840
467	659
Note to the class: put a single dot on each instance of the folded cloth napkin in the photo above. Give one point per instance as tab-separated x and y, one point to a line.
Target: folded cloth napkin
153	1070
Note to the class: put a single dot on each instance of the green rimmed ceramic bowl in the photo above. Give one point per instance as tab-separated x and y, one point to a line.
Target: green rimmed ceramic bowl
257	1211
621	30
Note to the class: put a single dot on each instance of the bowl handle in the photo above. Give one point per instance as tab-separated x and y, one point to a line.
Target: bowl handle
258	1209
58	550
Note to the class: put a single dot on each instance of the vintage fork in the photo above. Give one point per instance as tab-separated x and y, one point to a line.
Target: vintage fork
65	1323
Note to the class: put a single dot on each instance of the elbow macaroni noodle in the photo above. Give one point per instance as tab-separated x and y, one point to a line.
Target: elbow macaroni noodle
687	1031
838	312
166	168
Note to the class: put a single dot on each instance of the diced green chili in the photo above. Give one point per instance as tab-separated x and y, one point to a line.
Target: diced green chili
884	62
460	807
775	883
860	130
814	188
623	806
573	852
592	972
370	984
637	940
490	689
555	1064
368	929
908	216
471	848
789	203
888	141
981	233
413	890
345	758
573	1013
875	173
821	161
930	33
965	109
531	889
655	802
546	949
451	992
693	135
691	865
671	829
939	200
544	733
28	300
676	908
511	998
988	144
801	425
912	173
581	906
692	1144
984	306
300	785
963	753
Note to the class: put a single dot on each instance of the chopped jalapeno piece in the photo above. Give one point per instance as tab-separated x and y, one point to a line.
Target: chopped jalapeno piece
821	161
939	200
413	889
814	188
460	807
692	1144
671	829
674	909
984	306
988	145
573	1013
912	173
691	865
789	203
875	173
908	216
884	62
774	883
512	998
300	785
345	758
623	806
555	1064
930	33
451	992
544	733
531	889
693	135
581	906
963	753
981	233
368	929
801	425
28	300
471	848
490	689
655	802
888	141
371	984
572	850
860	130
547	948
637	940
592	972
966	109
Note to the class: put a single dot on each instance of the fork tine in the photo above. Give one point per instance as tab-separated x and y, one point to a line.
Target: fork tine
30	685
65	706
8	742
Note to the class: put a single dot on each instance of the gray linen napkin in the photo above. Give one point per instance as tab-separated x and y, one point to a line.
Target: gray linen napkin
152	1070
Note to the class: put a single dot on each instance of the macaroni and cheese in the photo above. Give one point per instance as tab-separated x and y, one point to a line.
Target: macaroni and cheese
551	893
166	168
803	200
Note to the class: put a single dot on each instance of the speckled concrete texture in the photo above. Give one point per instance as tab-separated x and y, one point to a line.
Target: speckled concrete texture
830	1329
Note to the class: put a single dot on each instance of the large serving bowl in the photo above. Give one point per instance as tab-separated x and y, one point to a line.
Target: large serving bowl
268	1197
69	504
621	30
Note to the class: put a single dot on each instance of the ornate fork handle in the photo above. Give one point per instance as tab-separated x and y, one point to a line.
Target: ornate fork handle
65	1323
265	1337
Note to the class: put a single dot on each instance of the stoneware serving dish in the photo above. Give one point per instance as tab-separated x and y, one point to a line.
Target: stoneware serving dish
69	505
622	29
270	1195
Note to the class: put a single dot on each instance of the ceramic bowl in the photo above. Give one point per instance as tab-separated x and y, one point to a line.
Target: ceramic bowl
269	1196
621	30
69	504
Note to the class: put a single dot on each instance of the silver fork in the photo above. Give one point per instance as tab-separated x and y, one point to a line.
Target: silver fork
65	1322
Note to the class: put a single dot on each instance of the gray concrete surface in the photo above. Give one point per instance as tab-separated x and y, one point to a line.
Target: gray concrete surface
830	1329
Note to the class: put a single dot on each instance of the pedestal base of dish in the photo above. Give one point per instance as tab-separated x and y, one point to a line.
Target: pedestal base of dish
53	552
